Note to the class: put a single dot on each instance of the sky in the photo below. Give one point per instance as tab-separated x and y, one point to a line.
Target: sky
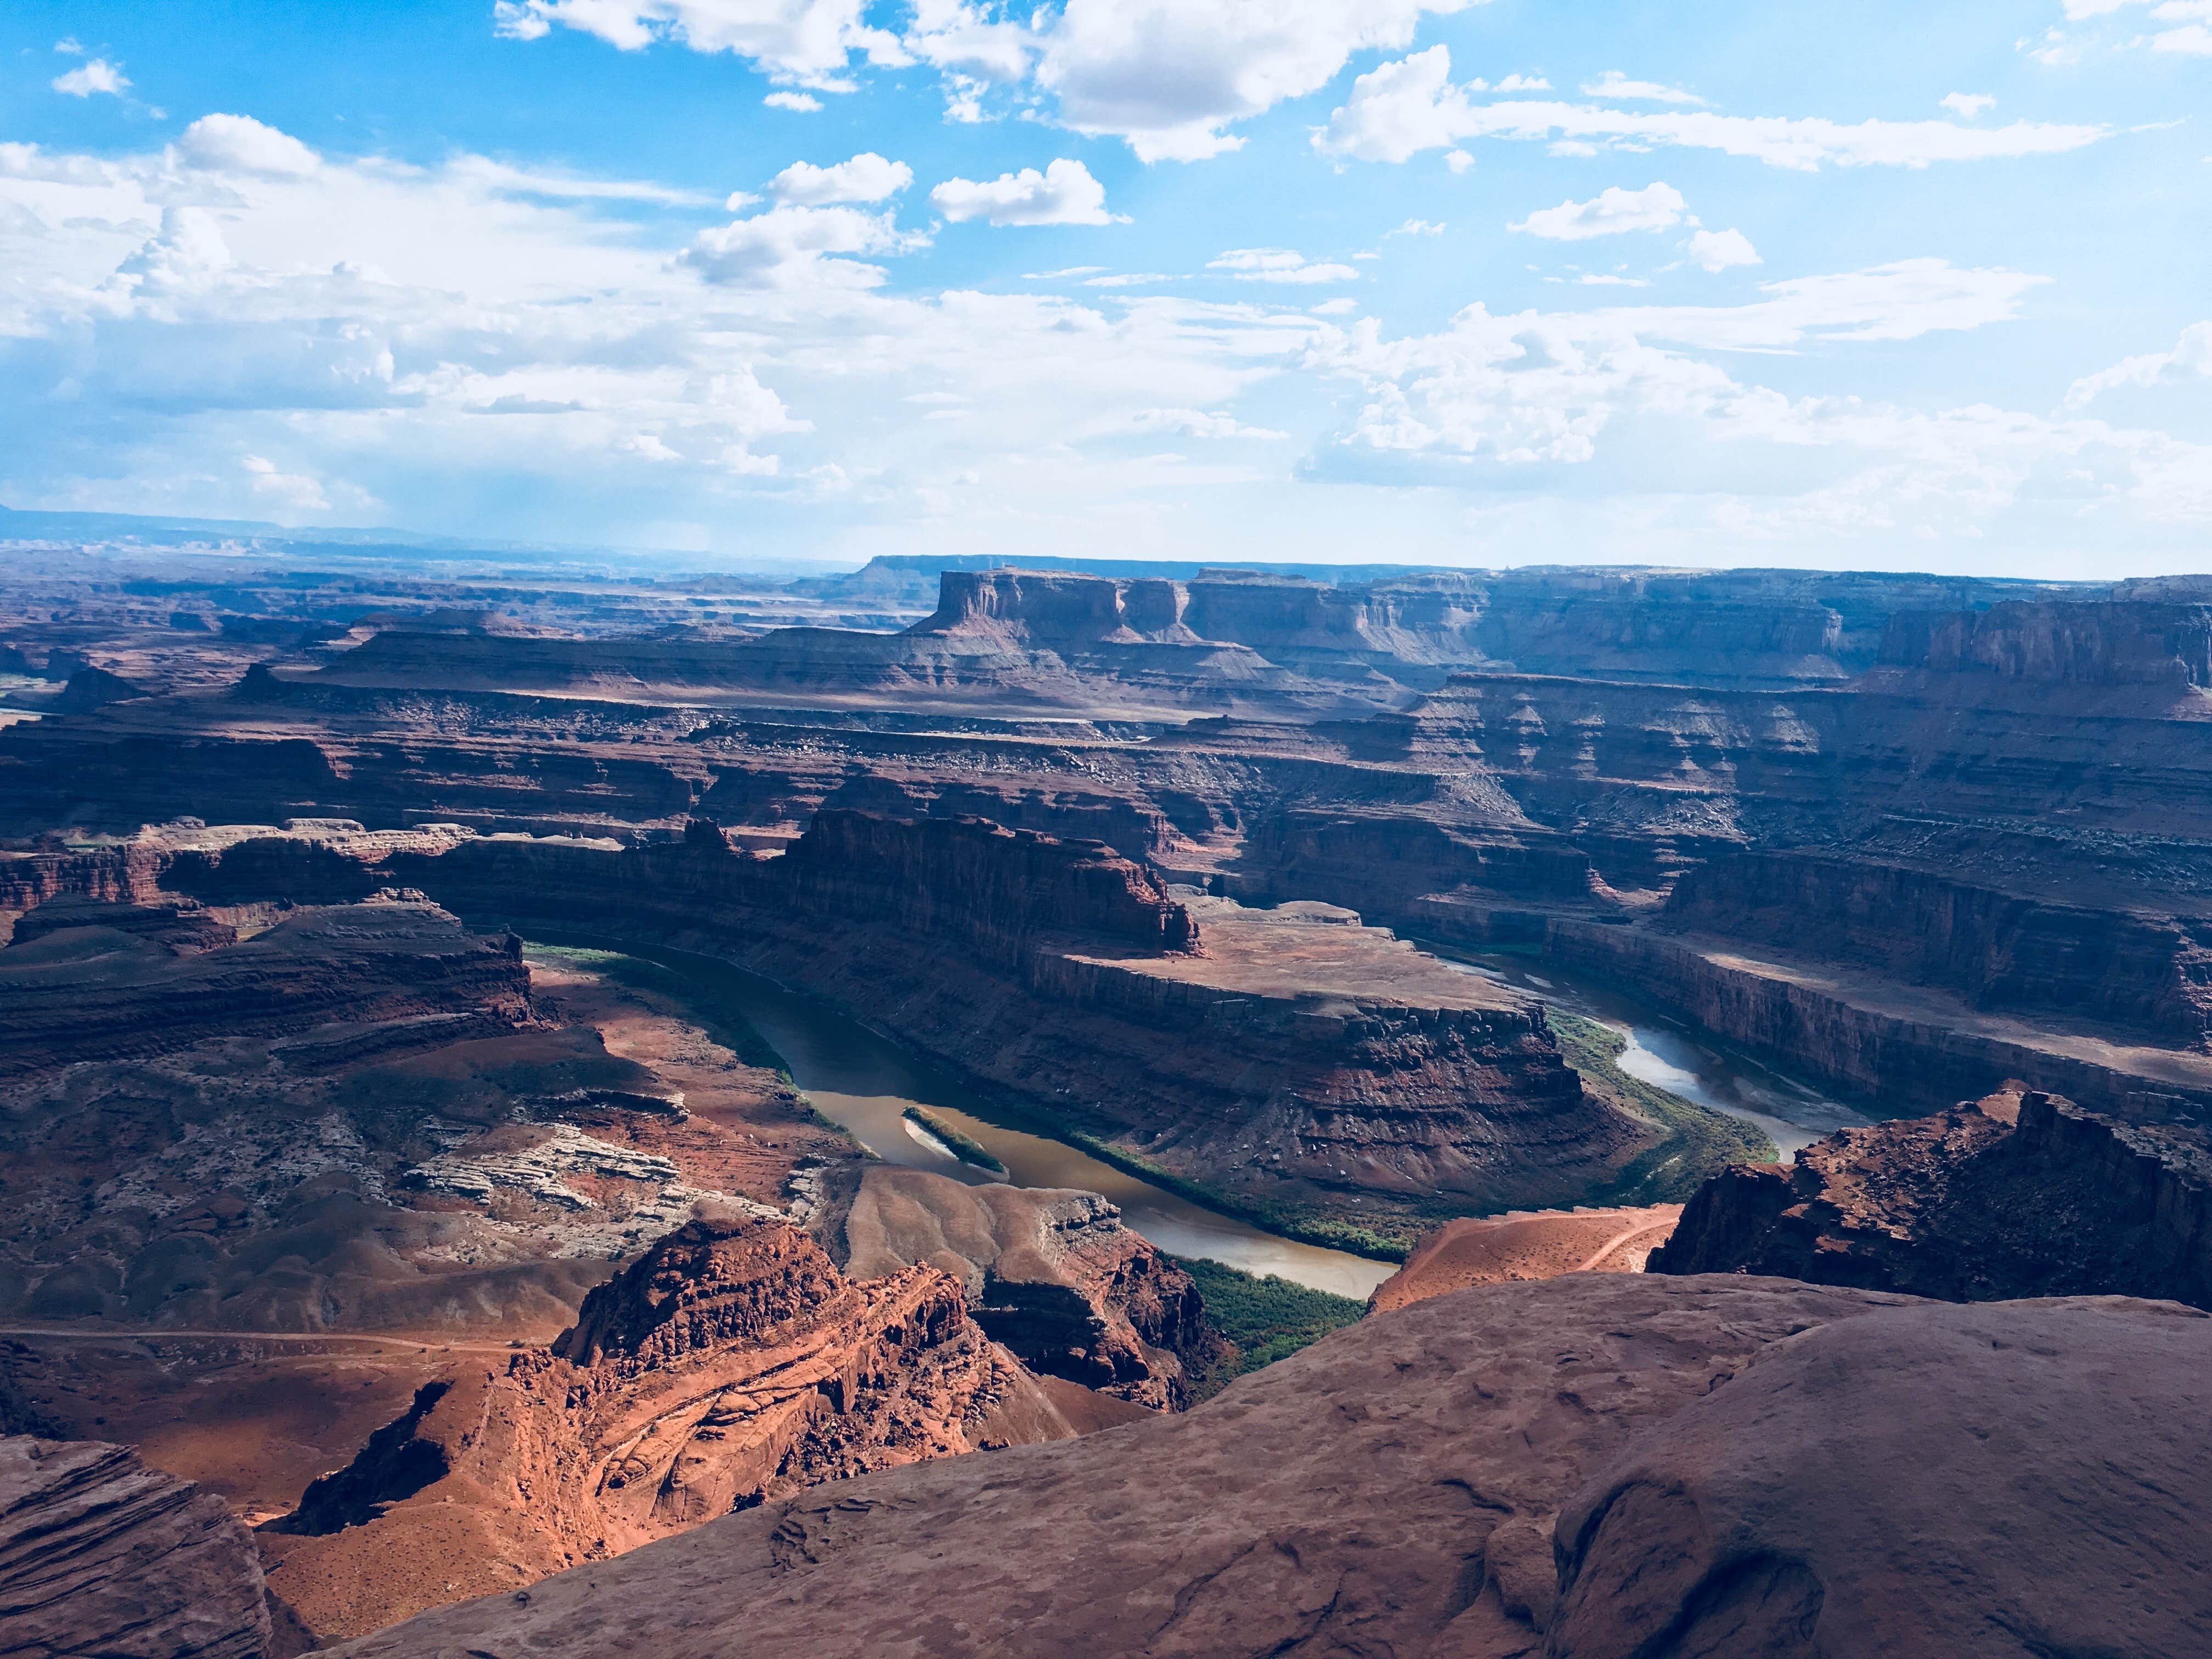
1878	286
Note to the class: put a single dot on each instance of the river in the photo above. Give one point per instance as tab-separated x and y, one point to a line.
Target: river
864	1082
1672	1056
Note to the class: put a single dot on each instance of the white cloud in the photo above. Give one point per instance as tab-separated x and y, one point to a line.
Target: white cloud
803	103
1592	279
296	491
1968	105
810	42
2190	35
187	254
1402	108
1199	423
95	75
1418	228
1278	264
1065	193
1169	76
1342	306
1493	399
1614	84
1523	83
1721	250
1458	160
1129	279
866	178
239	143
2191	357
1609	213
789	247
69	46
1057	276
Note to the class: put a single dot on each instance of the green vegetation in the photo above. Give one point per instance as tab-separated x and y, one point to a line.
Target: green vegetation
964	1147
1699	1141
1267	1318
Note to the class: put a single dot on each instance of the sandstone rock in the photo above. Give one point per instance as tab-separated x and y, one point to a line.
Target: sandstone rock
103	1557
1053	1276
1390	1489
1501	1250
92	992
2020	1477
728	1367
2013	1196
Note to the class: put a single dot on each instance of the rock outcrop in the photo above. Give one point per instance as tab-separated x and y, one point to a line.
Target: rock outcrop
1543	1244
1983	1483
2109	643
731	1365
1394	1488
1053	1276
102	1558
95	992
2017	1195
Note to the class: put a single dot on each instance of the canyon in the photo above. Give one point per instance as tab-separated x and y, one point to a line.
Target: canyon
392	1149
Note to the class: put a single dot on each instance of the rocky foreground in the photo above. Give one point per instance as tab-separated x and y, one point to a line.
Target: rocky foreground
1597	1465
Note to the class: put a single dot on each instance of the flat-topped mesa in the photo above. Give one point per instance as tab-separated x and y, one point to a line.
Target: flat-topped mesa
997	890
2015	1195
730	1364
2080	642
1059	609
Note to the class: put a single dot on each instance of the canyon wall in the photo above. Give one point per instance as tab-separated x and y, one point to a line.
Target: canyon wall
2019	1195
2120	642
2002	950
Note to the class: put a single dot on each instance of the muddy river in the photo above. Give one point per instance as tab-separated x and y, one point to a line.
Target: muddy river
864	1082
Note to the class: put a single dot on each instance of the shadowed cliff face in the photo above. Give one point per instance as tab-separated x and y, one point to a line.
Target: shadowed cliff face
2020	1195
730	1364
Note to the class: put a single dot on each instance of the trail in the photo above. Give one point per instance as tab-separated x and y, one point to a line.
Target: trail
1619	1239
140	1333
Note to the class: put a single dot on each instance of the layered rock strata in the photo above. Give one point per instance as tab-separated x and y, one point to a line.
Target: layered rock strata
102	1558
730	1366
1295	1047
97	992
1053	1276
2017	1195
1448	1439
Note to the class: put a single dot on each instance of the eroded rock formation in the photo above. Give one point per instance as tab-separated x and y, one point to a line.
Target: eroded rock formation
1446	1439
1053	1276
1542	1244
102	1558
2017	1195
731	1365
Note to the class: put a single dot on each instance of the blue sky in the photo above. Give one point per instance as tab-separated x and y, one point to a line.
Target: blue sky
1888	286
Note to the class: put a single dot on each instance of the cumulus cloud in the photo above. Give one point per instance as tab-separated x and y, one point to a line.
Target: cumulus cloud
1968	105
1402	108
95	75
811	42
1723	250
801	102
1609	213
2191	359
1169	76
1065	193
866	178
791	247
239	143
1614	84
